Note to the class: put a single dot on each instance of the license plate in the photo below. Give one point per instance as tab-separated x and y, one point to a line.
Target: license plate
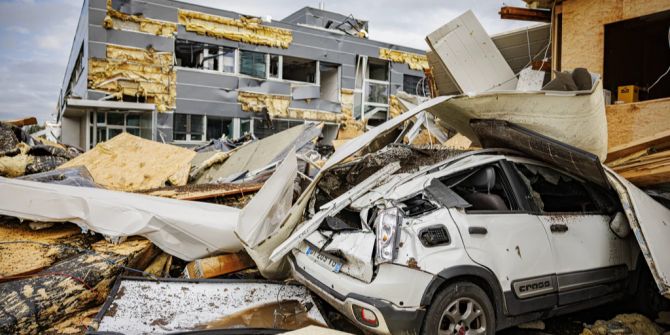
326	261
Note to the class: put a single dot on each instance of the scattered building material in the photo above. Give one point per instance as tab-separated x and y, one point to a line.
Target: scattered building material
26	121
575	118
188	230
525	14
74	176
624	324
160	266
204	191
35	302
656	142
130	163
211	267
249	30
470	57
137	306
632	122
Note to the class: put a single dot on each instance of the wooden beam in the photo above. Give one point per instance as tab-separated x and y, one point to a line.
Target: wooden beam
525	14
658	141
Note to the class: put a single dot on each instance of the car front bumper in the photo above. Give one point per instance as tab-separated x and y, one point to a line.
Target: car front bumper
392	317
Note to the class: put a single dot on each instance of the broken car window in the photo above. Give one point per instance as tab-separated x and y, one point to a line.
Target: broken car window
484	188
417	205
556	192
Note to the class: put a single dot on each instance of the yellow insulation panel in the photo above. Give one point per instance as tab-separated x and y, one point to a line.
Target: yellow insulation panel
312	115
245	29
349	127
415	61
135	72
123	21
395	107
276	105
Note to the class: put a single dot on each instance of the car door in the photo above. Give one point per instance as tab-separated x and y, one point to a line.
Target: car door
508	240
590	259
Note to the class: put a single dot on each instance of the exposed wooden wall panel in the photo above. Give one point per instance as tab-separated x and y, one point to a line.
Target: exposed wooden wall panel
635	121
584	27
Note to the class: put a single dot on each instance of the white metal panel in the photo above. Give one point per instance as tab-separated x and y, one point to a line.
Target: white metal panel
470	56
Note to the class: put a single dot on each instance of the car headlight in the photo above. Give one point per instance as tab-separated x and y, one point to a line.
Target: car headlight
388	234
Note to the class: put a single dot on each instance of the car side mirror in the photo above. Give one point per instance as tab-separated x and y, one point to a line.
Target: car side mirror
620	225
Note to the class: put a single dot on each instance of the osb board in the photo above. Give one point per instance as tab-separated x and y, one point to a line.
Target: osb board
635	121
584	30
131	163
25	250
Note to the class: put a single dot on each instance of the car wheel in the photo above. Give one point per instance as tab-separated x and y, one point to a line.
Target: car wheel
462	308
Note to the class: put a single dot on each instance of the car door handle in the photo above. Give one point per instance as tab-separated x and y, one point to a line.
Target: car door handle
558	228
477	230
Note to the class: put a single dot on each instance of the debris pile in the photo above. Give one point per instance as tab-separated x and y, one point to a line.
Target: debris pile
624	324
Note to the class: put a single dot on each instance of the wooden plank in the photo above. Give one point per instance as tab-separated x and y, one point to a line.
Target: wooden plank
653	175
525	14
657	141
636	121
26	121
470	56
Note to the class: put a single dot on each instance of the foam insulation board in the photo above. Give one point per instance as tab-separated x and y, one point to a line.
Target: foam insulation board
135	72
131	163
312	115
245	29
470	56
395	107
122	21
414	61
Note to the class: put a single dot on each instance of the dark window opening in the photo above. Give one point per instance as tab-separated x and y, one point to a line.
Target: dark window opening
378	69
484	188
298	69
264	128
637	52
417	205
252	63
415	85
555	192
203	56
274	66
218	127
188	127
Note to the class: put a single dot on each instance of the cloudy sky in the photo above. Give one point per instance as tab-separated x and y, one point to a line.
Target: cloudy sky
36	36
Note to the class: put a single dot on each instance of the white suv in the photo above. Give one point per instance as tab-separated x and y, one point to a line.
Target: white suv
485	240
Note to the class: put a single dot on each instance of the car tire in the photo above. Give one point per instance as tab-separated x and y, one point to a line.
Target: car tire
647	299
460	308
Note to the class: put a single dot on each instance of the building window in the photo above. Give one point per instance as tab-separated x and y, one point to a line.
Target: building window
274	67
105	125
252	63
415	85
245	126
204	56
374	101
264	128
218	127
378	69
188	127
298	69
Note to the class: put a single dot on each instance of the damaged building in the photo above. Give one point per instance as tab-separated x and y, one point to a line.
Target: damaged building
182	73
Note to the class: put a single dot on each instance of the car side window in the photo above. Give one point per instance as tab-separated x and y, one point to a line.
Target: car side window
484	188
556	192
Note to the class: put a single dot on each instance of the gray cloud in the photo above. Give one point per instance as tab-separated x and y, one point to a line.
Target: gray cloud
36	36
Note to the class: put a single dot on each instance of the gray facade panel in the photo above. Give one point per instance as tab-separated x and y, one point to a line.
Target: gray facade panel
97	50
147	9
202	78
264	86
201	107
206	93
131	39
321	105
305	92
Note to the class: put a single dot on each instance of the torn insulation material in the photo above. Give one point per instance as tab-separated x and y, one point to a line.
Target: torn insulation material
135	72
276	105
245	29
122	21
349	127
395	107
414	61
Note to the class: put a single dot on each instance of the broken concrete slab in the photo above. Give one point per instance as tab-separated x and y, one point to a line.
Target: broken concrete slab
131	163
137	306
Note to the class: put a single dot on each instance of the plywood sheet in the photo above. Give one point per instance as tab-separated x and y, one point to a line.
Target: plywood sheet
470	56
131	163
584	27
635	121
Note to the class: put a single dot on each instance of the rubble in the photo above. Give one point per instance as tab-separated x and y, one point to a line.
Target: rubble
624	324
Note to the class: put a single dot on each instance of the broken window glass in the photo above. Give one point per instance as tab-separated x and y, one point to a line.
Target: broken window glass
484	188
217	127
299	69
188	127
252	63
556	192
415	85
245	126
